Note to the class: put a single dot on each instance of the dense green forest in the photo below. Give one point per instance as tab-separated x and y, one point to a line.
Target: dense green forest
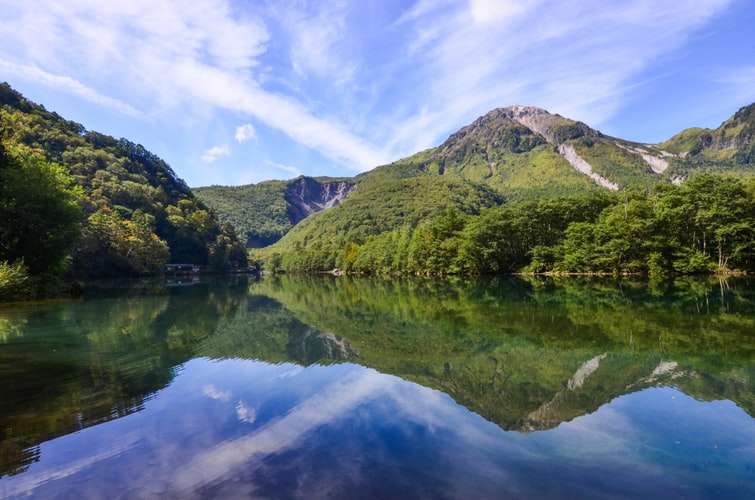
706	224
263	213
332	237
560	197
504	194
258	211
83	203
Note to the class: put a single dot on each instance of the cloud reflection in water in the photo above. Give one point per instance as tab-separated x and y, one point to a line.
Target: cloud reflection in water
247	428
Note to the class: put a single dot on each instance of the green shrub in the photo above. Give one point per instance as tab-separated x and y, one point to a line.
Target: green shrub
15	283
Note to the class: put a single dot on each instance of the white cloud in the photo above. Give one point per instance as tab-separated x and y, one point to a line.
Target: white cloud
212	154
286	168
495	11
213	392
318	40
285	432
576	59
245	133
69	85
173	55
359	91
245	413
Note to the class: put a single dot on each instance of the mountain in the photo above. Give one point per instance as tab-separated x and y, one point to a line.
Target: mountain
519	153
523	189
264	212
137	213
526	152
729	148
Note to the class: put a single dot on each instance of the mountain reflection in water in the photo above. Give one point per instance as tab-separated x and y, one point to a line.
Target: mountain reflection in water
356	387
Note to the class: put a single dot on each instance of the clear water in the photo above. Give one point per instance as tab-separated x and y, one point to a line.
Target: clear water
345	387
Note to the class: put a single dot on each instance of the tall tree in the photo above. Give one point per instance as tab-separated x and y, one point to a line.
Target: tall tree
40	217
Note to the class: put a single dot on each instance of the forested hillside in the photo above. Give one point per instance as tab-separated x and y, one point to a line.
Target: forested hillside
519	189
527	153
576	201
264	212
88	203
707	224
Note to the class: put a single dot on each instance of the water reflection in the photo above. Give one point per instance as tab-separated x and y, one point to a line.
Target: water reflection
508	348
239	428
445	386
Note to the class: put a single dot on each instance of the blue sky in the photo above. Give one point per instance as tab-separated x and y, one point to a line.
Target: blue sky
235	92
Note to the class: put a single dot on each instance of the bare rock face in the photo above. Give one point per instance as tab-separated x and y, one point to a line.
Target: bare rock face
554	128
536	119
580	165
306	196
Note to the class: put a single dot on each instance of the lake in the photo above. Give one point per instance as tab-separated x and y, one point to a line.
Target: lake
358	387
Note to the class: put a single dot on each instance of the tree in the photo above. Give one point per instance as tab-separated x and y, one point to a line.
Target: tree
112	246
40	217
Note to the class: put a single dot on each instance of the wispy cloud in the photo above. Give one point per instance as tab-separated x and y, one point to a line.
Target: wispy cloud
67	84
359	83
212	154
213	392
172	54
246	413
494	11
741	84
572	58
286	168
318	39
245	133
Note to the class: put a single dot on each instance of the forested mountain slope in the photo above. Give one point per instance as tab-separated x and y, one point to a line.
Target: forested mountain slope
576	201
136	213
522	153
526	152
264	212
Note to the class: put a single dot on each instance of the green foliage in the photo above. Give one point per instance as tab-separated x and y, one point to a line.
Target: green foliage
564	129
126	194
743	122
372	212
258	212
703	225
615	162
39	212
691	141
264	212
729	149
14	281
501	240
538	173
706	224
113	246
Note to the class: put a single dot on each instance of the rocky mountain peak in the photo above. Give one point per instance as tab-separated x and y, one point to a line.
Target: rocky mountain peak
518	112
536	119
515	113
554	128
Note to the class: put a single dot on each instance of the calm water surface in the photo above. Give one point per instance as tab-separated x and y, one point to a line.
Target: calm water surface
324	387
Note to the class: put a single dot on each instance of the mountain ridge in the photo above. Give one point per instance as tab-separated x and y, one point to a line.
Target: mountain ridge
525	152
274	207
